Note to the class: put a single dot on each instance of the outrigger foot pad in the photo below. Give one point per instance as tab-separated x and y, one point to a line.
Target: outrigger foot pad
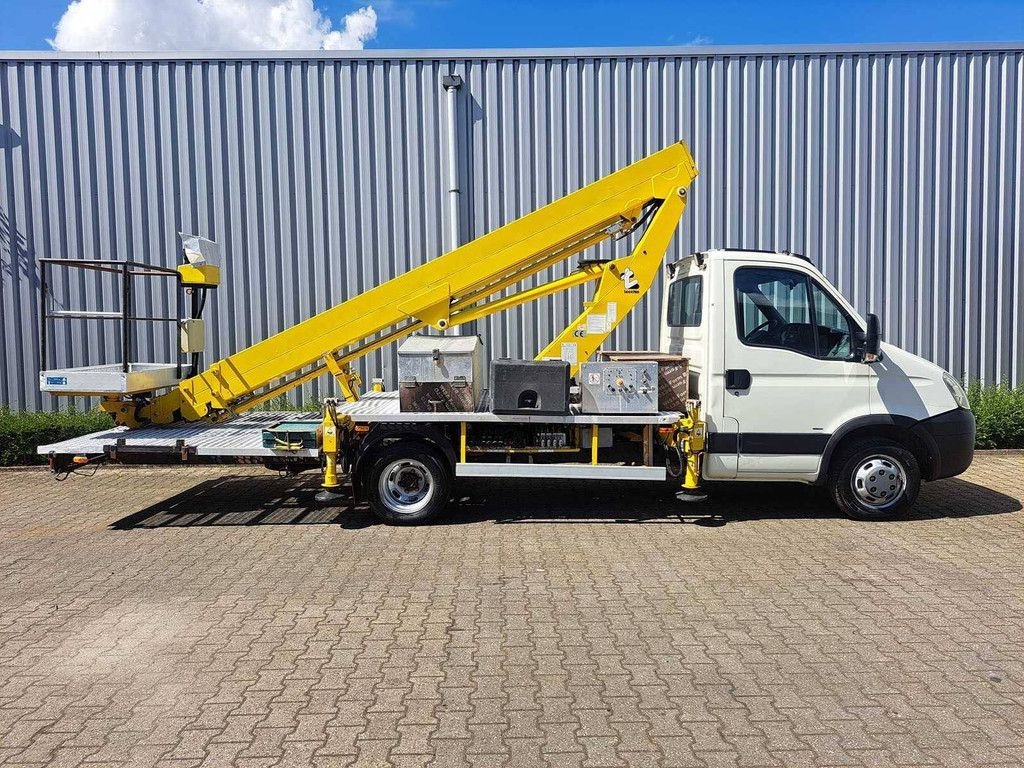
691	495
326	496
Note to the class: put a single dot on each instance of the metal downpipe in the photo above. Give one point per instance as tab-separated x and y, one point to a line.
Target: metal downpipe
451	84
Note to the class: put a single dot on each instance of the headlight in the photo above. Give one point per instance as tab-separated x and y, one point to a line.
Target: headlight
956	391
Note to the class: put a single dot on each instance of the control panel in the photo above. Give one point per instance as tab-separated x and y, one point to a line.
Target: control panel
619	387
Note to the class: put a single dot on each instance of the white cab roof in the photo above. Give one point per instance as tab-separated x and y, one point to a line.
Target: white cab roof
745	255
774	257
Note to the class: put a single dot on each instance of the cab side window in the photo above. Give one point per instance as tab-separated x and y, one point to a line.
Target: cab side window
684	302
786	309
835	331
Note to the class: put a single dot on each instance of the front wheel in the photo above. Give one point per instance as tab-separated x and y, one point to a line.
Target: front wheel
875	480
408	483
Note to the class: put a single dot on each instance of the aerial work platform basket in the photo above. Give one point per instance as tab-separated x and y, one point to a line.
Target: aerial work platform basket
128	375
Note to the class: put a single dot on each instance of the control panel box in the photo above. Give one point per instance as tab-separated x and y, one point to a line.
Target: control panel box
673	375
193	335
619	387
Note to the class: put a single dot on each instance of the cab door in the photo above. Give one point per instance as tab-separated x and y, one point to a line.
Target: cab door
791	376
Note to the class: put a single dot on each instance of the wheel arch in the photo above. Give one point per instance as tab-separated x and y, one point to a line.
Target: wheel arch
383	435
886	426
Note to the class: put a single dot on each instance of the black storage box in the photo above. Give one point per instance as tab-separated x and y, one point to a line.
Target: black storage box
530	387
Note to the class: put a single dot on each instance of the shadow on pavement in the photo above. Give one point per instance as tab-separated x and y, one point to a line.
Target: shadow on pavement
239	500
611	502
275	500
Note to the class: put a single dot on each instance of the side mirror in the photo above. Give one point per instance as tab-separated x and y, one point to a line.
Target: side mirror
871	349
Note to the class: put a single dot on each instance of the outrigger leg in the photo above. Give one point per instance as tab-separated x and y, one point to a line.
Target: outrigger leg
692	434
329	443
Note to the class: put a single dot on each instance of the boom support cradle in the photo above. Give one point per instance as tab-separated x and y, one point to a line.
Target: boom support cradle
456	288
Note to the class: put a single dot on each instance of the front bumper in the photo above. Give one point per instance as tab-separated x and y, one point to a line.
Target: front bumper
950	441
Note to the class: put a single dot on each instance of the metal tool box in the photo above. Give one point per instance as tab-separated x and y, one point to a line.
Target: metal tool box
619	387
440	374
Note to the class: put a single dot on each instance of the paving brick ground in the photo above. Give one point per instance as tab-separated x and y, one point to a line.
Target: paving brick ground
179	618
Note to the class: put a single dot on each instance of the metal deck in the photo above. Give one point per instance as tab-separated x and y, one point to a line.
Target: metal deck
384	407
239	437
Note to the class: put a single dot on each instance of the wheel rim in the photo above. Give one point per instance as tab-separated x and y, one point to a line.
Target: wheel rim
879	481
406	486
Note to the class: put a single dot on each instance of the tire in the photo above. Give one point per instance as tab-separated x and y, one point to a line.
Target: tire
874	480
408	483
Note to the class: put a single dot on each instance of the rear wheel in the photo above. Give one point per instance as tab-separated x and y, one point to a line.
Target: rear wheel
875	480
408	483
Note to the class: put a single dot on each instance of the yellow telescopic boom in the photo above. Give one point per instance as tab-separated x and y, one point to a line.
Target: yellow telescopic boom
456	288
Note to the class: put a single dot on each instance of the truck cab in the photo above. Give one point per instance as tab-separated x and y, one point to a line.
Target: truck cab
797	386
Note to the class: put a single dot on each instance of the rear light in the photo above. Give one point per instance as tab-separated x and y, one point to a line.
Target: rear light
80	460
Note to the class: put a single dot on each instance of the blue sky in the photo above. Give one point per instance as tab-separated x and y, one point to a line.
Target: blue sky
470	24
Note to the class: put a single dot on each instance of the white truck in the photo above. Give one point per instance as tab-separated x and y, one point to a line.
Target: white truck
786	382
797	386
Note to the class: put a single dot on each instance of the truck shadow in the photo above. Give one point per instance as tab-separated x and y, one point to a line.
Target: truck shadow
271	500
238	501
612	502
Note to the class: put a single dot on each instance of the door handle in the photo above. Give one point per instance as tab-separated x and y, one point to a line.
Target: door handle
737	378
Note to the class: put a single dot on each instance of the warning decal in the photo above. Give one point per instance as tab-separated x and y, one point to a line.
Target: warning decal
569	353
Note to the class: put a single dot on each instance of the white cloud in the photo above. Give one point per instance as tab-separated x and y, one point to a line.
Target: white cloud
360	26
208	25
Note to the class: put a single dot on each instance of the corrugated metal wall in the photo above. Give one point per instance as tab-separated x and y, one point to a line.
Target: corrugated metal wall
897	171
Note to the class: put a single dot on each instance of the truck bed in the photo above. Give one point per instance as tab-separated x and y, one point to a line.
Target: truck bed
242	437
